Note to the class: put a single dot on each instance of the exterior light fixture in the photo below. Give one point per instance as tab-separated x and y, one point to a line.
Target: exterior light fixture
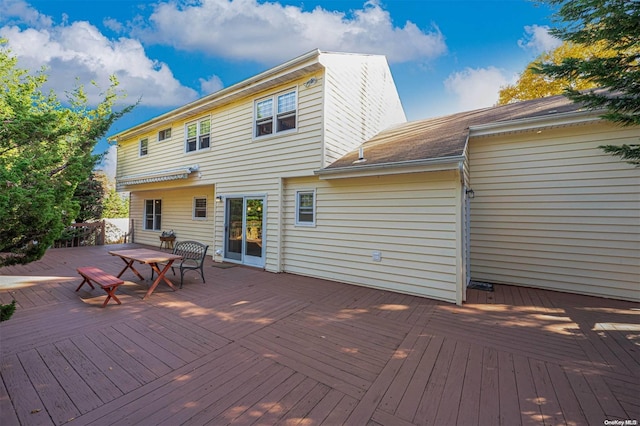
310	82
470	193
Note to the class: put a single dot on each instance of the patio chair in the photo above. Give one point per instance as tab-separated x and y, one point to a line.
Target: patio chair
193	254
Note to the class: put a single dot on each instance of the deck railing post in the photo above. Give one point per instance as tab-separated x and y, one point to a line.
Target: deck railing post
102	233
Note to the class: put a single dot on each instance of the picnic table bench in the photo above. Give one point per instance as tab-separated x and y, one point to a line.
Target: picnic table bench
107	282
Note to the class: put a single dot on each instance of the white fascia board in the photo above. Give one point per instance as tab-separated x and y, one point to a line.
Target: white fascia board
401	167
535	123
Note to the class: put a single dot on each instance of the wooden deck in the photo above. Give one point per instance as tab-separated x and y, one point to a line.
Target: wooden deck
251	347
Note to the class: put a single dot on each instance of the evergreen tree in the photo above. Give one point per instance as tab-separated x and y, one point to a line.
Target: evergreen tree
46	150
615	24
90	195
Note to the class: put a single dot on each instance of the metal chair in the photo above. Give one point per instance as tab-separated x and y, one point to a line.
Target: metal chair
193	254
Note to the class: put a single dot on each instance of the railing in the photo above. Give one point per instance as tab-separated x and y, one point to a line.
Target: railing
82	234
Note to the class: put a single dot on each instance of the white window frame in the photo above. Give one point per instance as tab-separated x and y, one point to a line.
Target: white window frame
195	208
276	116
156	217
143	147
313	207
199	136
164	134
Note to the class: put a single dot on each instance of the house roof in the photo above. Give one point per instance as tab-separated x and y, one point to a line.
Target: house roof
445	137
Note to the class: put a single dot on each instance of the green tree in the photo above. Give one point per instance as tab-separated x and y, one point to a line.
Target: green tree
45	152
114	204
615	24
533	85
90	196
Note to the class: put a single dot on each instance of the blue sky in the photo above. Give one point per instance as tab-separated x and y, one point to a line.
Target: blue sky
445	55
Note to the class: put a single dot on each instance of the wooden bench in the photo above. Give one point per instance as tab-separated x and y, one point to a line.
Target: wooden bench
108	282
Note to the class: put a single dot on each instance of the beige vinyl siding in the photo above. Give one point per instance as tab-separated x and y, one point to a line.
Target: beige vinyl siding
410	219
238	164
552	210
177	214
234	153
360	101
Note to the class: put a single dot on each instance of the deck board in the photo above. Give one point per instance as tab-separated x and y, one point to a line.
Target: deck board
78	390
58	404
469	409
93	376
251	347
508	396
489	405
527	398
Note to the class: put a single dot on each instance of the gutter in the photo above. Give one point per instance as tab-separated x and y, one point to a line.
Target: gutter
523	124
453	161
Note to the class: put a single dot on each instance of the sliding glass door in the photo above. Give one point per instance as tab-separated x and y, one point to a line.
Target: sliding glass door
244	223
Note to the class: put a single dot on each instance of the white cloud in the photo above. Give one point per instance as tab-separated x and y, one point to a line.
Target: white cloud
266	32
113	24
476	87
538	39
269	32
80	50
210	85
20	11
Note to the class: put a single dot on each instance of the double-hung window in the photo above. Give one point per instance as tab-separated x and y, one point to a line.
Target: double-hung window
198	135
143	147
164	134
200	208
153	214
276	114
306	208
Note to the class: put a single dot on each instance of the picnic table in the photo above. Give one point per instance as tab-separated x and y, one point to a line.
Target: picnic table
153	258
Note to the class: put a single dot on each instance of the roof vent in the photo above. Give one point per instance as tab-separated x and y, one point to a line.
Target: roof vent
361	158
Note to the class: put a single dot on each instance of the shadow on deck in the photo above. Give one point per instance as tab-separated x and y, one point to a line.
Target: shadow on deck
251	347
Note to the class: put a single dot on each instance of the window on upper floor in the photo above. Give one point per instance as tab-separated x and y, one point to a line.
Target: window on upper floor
143	147
306	208
198	135
164	134
276	114
152	214
200	208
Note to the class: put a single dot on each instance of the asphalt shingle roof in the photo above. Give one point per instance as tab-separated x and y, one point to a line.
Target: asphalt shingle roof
445	136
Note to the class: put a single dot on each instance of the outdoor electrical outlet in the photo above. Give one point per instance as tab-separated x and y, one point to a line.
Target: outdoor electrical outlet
219	252
377	256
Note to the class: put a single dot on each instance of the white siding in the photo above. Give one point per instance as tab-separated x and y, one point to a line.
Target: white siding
552	210
410	219
360	101
177	214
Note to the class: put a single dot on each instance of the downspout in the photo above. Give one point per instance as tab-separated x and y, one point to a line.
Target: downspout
460	257
215	222
280	222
